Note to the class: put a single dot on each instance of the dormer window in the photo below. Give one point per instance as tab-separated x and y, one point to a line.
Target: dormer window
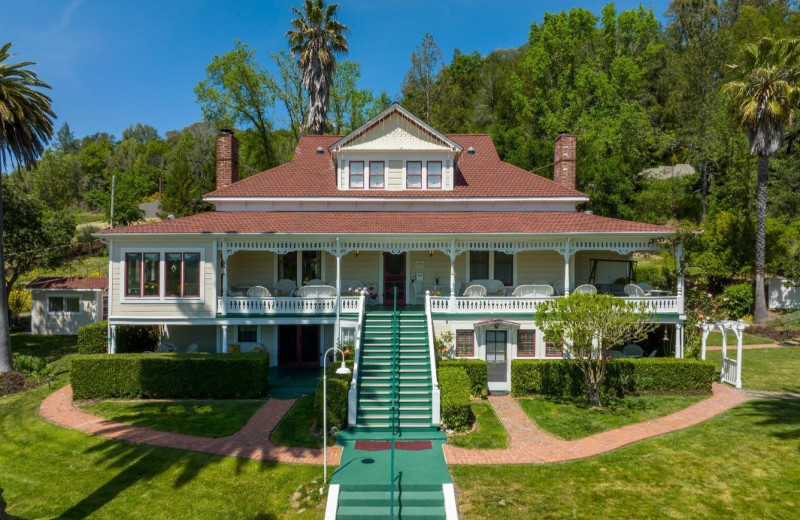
357	174
376	175
434	174
414	175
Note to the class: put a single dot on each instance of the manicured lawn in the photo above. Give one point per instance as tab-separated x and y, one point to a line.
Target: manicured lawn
572	418
53	472
490	434
52	348
218	418
294	428
774	369
715	340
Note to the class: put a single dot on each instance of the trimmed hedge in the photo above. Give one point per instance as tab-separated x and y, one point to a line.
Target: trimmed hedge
212	376
477	370
93	338
337	398
623	377
454	386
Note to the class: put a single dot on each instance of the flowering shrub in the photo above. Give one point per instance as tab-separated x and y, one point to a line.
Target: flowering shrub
701	307
737	300
443	346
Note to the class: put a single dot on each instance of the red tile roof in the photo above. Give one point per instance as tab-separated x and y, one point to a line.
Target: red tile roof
97	283
385	222
310	174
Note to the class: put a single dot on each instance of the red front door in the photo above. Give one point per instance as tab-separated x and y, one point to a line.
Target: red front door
394	275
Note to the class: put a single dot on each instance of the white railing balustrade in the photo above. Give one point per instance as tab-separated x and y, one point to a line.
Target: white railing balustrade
287	305
506	304
729	371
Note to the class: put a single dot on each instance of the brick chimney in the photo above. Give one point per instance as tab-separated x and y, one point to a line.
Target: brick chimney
227	159
564	161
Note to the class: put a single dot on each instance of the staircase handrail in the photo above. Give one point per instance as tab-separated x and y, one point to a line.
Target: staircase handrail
352	392
395	402
436	405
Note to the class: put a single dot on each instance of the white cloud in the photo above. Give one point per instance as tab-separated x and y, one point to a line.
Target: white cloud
67	14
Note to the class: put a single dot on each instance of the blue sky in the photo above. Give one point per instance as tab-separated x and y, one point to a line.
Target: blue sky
113	63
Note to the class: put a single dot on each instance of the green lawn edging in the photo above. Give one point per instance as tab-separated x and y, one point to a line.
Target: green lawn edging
623	377
187	376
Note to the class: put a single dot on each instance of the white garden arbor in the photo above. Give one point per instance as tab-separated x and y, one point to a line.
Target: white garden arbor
731	368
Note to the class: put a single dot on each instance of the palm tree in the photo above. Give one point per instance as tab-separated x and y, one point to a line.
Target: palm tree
763	98
25	126
315	40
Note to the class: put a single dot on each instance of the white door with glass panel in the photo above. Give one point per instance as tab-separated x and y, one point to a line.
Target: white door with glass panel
497	359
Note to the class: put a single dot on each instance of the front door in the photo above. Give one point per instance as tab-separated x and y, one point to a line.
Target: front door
298	345
394	275
497	359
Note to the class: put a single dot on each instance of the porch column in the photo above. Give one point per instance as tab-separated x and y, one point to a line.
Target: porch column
112	339
224	339
567	256
679	340
453	275
679	290
337	330
225	291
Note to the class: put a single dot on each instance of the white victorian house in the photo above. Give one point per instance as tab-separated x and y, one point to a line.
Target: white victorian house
469	242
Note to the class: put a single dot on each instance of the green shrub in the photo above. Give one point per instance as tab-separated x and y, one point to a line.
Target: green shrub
454	386
93	338
193	376
476	369
737	300
32	366
623	377
338	386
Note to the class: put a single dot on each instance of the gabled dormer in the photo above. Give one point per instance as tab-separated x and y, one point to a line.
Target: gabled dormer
395	151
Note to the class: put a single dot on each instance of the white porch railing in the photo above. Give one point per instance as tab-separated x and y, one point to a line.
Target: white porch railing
287	305
729	373
352	392
508	304
436	396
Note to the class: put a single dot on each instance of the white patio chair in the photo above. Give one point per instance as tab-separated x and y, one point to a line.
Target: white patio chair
533	291
475	291
586	288
614	354
316	291
634	291
646	287
653	353
315	281
285	287
632	350
258	291
191	349
558	287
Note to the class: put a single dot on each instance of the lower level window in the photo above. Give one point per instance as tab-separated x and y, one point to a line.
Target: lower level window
553	349
526	343
248	333
465	343
63	304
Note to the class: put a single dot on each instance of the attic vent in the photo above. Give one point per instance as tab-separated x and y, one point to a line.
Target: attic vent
471	150
319	150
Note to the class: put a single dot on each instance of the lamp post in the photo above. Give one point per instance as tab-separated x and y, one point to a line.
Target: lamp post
342	371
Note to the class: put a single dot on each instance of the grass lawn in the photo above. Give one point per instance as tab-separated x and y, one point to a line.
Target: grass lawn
742	464
93	265
774	369
51	348
715	340
572	418
293	430
490	434
203	418
53	472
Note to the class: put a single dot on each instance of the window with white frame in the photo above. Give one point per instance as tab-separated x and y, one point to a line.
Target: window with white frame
248	333
63	304
162	275
504	267
414	175
376	174
434	174
491	265
479	265
526	343
357	174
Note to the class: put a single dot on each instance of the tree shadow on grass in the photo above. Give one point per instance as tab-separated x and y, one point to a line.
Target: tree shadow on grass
141	464
780	412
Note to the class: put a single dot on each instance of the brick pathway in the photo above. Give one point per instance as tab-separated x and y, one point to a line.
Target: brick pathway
251	442
529	444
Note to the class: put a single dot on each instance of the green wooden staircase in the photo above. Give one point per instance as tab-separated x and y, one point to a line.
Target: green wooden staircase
413	375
